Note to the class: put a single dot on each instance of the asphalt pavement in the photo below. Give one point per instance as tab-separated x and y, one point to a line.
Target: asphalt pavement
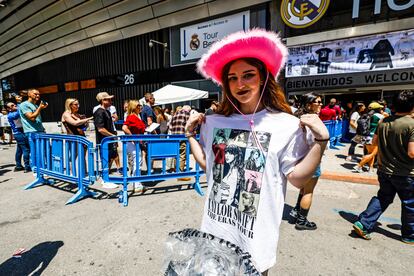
98	236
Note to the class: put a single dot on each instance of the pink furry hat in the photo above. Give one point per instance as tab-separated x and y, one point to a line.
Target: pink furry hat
256	43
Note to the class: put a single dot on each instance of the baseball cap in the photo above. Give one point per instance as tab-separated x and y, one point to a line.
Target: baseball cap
375	105
103	95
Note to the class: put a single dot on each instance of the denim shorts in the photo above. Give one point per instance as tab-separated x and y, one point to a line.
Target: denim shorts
317	172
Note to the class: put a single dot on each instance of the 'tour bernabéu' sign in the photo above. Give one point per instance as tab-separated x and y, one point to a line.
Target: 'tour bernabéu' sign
196	39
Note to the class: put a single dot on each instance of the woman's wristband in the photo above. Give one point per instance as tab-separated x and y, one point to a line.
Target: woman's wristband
322	140
189	134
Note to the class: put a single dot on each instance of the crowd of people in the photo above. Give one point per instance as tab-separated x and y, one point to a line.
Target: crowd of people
253	143
25	118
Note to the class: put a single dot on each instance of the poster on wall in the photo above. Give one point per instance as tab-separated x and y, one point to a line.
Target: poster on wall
196	39
363	54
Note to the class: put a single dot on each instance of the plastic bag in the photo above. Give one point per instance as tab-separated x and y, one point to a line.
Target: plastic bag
192	252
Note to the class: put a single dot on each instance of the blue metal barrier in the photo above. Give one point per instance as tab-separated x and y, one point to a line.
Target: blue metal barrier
345	131
63	157
159	147
335	133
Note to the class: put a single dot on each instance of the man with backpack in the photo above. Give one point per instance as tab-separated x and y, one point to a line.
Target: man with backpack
395	140
368	126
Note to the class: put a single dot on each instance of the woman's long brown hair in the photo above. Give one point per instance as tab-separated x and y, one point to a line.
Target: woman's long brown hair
273	96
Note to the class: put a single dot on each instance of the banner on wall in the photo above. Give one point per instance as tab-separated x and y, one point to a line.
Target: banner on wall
196	39
363	54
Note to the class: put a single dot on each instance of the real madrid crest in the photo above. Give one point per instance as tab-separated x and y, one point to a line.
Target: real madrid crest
302	13
195	42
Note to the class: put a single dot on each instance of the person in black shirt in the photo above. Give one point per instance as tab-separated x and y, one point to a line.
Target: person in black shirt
104	127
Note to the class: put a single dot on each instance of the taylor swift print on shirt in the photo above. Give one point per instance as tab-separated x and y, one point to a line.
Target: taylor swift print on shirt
238	168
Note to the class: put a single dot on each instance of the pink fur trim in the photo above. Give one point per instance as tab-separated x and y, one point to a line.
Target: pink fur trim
256	43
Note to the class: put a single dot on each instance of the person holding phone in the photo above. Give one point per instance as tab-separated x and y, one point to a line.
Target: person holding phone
30	112
74	122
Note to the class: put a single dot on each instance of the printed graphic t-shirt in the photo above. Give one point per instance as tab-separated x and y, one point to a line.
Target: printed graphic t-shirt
246	192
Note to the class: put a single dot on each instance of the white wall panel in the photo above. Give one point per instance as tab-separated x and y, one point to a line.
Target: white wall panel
184	16
107	37
55	44
76	36
217	7
53	10
61	52
72	3
81	45
61	19
94	18
171	6
134	17
103	27
126	6
141	28
88	7
31	44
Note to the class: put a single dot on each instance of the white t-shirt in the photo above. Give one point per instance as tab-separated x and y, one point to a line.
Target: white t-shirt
355	116
245	206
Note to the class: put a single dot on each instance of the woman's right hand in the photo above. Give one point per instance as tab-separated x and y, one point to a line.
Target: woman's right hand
193	121
315	124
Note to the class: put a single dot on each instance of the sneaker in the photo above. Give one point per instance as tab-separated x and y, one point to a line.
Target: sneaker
351	159
407	241
26	170
361	231
357	169
304	224
109	185
139	188
184	179
18	169
294	213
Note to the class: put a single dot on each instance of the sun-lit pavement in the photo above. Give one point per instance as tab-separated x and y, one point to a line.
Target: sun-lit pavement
100	237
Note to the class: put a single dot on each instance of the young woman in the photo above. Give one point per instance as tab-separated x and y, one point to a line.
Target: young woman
355	115
134	125
310	104
246	64
72	120
161	119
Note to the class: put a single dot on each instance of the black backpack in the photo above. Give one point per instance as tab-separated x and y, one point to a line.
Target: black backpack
363	125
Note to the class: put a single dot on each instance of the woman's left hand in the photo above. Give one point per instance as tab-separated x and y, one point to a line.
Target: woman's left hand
314	123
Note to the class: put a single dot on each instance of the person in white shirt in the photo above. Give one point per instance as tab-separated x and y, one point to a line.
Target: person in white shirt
355	115
246	65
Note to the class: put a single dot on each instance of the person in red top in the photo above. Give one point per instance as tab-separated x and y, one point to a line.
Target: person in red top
330	112
134	125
